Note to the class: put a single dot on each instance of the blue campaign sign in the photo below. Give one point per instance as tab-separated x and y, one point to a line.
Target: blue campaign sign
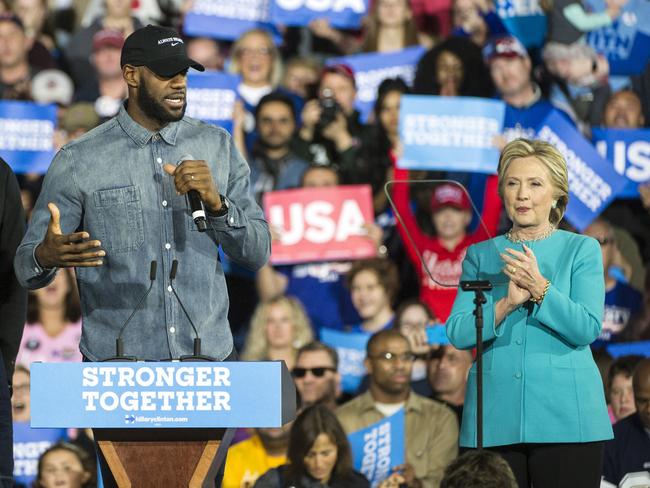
450	133
227	19
351	348
629	152
436	334
342	14
164	394
626	42
373	68
379	448
29	444
27	135
642	348
524	19
211	97
593	182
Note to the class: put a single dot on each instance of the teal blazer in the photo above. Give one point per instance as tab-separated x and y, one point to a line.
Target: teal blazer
540	381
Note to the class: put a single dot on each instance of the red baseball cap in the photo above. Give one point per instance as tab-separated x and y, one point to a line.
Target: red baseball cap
107	38
449	195
339	69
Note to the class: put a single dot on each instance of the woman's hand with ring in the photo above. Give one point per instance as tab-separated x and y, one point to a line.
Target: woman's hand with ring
522	268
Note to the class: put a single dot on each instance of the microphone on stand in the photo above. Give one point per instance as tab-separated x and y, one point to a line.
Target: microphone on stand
195	203
196	356
119	344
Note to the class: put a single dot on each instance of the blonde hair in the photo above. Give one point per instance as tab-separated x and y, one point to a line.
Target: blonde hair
256	346
277	69
551	158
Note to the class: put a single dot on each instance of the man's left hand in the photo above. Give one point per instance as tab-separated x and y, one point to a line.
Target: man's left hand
195	175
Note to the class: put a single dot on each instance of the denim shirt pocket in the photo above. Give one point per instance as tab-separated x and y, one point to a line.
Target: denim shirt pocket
119	215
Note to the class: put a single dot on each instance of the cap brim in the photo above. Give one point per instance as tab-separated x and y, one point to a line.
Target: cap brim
173	65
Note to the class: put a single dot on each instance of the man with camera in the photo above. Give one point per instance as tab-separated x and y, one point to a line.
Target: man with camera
331	130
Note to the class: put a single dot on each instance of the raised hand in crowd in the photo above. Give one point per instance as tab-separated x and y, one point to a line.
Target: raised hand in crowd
59	250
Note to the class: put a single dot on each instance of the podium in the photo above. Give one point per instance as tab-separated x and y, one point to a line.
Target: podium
162	423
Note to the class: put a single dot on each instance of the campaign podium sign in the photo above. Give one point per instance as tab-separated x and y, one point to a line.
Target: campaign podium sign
320	224
162	423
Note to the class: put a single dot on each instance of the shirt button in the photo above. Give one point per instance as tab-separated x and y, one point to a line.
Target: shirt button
232	220
169	288
172	329
36	270
158	160
168	246
519	342
517	375
164	202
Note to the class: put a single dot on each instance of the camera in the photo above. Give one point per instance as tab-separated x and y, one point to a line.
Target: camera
329	108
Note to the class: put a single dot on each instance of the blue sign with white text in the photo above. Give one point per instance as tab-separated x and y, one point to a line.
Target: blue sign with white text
524	19
165	394
211	97
351	348
27	135
341	14
227	19
625	42
629	151
29	444
373	68
450	133
618	349
593	182
379	448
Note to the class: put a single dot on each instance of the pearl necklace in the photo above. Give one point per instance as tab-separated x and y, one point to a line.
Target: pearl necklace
517	240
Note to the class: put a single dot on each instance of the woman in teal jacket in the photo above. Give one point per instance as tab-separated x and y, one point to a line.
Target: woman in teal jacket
544	405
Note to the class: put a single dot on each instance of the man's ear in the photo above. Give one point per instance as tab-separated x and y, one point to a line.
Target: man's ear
131	75
368	364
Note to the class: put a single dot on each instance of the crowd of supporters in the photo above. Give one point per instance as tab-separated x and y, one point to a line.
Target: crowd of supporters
296	124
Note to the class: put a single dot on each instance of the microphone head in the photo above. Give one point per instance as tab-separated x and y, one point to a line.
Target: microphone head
186	157
153	269
172	274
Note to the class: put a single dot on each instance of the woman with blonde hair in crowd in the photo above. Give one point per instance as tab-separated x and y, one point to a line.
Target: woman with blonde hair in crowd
278	329
544	403
390	27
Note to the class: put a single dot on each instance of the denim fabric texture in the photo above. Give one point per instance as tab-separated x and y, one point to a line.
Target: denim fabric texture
111	183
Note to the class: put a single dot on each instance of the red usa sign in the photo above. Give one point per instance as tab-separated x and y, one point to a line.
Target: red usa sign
320	224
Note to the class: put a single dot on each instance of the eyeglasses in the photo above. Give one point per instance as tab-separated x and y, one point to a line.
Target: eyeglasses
249	51
317	372
407	357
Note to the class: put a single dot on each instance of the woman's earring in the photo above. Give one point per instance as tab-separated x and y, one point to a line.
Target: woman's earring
554	204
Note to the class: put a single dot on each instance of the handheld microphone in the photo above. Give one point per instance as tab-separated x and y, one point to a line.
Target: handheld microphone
196	356
195	203
119	344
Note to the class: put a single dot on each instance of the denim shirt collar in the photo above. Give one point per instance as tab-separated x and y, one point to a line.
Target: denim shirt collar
141	135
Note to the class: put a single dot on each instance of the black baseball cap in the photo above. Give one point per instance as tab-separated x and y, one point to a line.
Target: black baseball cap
158	48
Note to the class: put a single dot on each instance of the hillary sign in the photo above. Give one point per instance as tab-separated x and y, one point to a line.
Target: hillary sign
211	97
226	19
629	152
371	69
593	182
172	394
379	448
351	348
343	14
450	133
27	135
320	224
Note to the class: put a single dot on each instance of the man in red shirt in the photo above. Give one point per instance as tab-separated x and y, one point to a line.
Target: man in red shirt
444	252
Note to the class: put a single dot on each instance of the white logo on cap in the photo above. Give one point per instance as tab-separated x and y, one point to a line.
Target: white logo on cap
175	41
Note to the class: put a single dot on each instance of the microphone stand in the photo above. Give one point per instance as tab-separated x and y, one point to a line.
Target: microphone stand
478	287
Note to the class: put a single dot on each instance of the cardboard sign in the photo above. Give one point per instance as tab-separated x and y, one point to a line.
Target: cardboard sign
227	19
351	348
211	97
320	224
27	135
450	133
342	14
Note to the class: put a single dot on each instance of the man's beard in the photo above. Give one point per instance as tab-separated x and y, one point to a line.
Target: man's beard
154	109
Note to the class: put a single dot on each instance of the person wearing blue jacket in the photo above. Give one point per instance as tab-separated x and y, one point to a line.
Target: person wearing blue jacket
544	404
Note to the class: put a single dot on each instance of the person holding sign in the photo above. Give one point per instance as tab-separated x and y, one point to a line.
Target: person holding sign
544	403
431	434
319	455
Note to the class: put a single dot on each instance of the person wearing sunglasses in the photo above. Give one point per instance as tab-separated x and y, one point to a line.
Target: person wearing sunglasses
316	376
431	429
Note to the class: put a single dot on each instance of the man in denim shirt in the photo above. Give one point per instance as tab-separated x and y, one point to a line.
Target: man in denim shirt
111	203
